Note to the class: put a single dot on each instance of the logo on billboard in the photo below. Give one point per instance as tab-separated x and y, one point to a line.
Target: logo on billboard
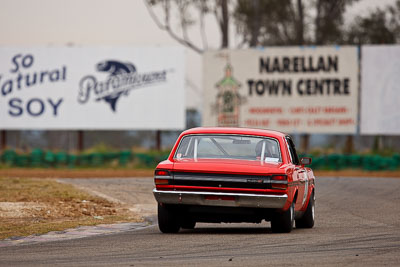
228	99
122	78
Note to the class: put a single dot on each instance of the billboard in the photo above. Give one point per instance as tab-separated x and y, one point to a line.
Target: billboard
291	89
92	88
380	90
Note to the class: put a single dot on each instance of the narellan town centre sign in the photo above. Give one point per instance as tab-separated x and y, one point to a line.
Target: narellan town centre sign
92	88
321	64
293	89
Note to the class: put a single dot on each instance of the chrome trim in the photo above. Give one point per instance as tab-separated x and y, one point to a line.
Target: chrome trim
279	182
162	177
241	200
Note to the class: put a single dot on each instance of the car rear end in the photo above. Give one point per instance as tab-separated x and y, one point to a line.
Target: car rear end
206	195
222	178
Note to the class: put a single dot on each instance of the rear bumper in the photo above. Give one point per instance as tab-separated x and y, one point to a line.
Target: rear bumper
219	199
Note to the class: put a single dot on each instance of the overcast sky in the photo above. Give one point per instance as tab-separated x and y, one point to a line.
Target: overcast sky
116	22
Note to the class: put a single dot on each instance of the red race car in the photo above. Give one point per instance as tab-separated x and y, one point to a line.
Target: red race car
234	175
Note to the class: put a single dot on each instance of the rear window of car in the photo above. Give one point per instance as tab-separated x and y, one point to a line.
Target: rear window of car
229	147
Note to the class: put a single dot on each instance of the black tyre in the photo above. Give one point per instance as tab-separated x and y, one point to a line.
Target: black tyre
307	220
167	219
283	222
188	224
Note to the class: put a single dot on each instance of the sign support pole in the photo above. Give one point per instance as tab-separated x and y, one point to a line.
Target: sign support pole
3	139
80	140
305	141
158	140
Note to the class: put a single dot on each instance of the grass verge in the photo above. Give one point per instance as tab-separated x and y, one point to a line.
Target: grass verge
36	206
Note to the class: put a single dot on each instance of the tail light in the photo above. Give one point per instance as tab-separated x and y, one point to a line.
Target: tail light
279	182
279	178
161	177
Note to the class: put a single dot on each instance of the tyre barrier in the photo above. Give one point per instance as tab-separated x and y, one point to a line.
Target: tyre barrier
364	162
38	158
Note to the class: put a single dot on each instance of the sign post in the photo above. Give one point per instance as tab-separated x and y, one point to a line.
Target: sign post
80	141
3	140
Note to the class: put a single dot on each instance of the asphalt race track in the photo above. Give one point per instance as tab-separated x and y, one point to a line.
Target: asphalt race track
357	223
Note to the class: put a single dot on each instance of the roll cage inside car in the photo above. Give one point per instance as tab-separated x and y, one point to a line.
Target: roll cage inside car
292	150
260	146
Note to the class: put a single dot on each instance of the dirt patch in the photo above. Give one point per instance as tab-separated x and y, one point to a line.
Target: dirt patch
36	206
20	209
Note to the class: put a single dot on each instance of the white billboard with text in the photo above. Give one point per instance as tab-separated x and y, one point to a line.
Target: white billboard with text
92	88
291	89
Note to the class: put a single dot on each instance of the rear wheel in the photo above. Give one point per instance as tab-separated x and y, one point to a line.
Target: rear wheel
283	222
167	219
307	220
188	224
